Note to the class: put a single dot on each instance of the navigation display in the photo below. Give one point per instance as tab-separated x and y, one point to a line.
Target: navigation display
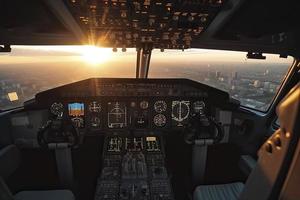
76	109
117	115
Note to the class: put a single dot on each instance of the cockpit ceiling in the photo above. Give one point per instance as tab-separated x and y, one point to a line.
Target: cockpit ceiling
257	26
170	24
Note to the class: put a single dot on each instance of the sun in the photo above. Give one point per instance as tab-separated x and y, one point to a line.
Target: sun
95	55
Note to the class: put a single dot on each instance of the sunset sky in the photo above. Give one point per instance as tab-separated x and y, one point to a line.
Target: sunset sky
95	56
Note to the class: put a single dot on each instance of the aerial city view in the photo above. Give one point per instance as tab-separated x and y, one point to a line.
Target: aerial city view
253	83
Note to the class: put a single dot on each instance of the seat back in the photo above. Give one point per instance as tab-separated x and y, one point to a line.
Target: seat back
275	156
9	160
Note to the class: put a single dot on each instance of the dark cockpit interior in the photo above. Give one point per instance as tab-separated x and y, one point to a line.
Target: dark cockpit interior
154	138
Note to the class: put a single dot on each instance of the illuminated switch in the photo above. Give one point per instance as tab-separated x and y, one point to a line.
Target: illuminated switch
134	24
162	25
175	17
123	14
165	36
203	19
135	35
137	5
151	21
128	36
147	2
176	35
190	18
112	36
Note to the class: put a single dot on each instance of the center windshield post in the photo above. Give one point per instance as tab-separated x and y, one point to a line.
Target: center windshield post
143	60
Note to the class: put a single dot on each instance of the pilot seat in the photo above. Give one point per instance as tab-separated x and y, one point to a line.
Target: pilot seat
9	161
266	179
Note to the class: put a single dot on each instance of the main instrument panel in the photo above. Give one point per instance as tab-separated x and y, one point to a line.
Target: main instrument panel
144	113
113	104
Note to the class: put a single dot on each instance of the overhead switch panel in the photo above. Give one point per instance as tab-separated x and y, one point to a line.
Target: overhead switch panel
166	24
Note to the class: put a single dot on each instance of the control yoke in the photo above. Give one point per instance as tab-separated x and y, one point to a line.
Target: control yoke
203	131
58	133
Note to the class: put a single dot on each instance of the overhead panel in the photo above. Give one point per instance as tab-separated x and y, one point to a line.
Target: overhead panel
166	24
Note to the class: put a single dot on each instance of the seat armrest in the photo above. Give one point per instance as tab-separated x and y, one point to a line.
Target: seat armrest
247	164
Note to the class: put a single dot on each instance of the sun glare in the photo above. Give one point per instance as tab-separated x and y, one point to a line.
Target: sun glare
95	55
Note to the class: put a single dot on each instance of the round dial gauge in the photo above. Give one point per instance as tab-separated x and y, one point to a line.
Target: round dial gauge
57	109
160	106
160	120
78	122
144	104
180	110
199	107
95	121
95	107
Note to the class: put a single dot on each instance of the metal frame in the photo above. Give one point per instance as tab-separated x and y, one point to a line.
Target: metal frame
143	60
59	9
5	49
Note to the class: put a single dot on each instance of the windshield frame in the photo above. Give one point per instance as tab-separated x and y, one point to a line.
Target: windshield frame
285	84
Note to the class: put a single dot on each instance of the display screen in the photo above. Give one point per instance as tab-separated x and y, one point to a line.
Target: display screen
76	109
117	115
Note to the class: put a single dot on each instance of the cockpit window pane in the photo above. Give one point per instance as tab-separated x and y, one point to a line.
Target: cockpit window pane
28	70
253	82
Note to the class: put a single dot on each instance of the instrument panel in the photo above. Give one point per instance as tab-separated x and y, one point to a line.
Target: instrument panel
98	114
127	104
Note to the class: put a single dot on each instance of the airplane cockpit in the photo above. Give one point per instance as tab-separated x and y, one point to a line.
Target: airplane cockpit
201	101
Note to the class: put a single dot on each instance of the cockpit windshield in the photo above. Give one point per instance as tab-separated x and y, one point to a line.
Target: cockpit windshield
28	70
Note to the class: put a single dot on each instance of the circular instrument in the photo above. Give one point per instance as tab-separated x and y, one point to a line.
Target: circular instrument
144	104
78	122
180	110
160	106
94	107
95	121
57	109
160	120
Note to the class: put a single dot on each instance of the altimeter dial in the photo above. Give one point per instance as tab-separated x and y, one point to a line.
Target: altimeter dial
160	120
160	106
57	109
